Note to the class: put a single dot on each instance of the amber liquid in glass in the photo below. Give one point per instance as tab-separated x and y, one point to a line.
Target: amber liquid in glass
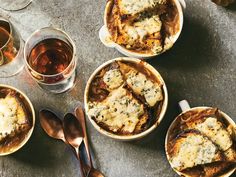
4	33
8	52
50	56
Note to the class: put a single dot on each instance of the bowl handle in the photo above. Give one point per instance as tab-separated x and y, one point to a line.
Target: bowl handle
184	105
105	37
183	4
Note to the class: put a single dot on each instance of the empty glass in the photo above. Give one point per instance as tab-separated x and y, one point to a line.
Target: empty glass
11	49
50	56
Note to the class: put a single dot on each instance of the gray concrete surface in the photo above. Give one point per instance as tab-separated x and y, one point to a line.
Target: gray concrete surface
200	68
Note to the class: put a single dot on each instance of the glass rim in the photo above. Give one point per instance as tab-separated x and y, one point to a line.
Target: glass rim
71	43
10	32
12	9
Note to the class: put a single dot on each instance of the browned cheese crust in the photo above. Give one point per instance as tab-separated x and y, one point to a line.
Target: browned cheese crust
186	125
99	92
152	43
13	140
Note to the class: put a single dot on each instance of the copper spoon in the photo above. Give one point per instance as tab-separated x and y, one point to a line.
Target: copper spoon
81	118
73	134
53	126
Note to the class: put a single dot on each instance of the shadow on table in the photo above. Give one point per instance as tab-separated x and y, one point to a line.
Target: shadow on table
193	50
232	7
193	53
39	150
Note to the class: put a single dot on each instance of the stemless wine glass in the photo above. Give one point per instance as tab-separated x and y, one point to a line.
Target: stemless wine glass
11	49
13	5
50	56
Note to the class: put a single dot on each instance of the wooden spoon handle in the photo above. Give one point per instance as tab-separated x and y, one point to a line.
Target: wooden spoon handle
81	118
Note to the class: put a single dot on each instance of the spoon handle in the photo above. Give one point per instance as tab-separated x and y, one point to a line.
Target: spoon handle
81	118
80	162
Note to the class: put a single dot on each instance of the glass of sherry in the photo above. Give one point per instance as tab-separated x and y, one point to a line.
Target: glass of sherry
11	49
50	56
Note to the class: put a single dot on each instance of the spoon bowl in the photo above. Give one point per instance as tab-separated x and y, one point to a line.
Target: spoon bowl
74	135
51	124
72	130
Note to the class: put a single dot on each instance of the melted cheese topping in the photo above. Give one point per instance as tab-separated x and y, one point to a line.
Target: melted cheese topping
216	132
132	34
141	29
137	24
11	116
136	6
119	111
149	25
113	79
142	86
194	150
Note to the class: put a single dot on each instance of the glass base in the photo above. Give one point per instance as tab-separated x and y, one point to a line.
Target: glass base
61	87
14	5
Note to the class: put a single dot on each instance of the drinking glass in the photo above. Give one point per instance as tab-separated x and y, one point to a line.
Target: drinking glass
50	56
11	49
13	5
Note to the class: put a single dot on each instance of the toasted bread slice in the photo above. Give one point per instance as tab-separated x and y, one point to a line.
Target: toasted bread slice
218	168
191	149
230	154
13	116
113	79
119	112
210	125
142	122
214	130
209	170
132	7
141	85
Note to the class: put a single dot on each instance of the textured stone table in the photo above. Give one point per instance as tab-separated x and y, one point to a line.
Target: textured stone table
201	68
